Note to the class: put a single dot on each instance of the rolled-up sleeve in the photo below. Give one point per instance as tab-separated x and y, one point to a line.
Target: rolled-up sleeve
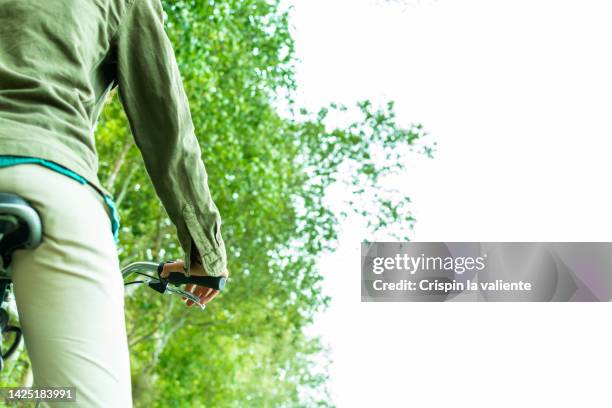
152	94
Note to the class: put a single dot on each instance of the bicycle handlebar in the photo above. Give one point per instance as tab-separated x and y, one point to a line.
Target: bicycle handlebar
213	282
161	285
175	278
136	267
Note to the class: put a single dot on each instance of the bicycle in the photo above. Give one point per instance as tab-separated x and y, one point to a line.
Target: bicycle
21	228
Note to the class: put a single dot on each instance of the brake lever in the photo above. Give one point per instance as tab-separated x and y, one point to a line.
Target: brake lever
174	279
162	286
186	294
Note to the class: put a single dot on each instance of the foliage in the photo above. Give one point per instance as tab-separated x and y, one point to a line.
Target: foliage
268	174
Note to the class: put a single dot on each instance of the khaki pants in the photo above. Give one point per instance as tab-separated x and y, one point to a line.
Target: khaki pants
69	290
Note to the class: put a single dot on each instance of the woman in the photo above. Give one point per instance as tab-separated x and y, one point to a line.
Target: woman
58	61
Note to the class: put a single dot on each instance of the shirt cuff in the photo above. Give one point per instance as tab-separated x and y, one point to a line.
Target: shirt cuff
212	254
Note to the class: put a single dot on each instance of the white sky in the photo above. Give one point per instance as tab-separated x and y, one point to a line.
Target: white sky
518	95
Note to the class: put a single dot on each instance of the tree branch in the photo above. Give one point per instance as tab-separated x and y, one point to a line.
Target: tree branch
110	182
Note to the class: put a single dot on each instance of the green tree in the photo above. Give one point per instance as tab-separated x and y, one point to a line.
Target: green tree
268	174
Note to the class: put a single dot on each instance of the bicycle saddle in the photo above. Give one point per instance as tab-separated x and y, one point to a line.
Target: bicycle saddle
20	227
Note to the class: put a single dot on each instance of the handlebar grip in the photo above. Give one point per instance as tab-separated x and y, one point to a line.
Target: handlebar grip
213	282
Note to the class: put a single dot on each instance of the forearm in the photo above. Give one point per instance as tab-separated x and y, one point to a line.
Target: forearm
152	93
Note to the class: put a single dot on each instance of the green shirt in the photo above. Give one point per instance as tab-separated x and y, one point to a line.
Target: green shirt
58	62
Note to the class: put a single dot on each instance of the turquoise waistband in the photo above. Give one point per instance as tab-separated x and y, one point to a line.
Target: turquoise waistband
6	161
